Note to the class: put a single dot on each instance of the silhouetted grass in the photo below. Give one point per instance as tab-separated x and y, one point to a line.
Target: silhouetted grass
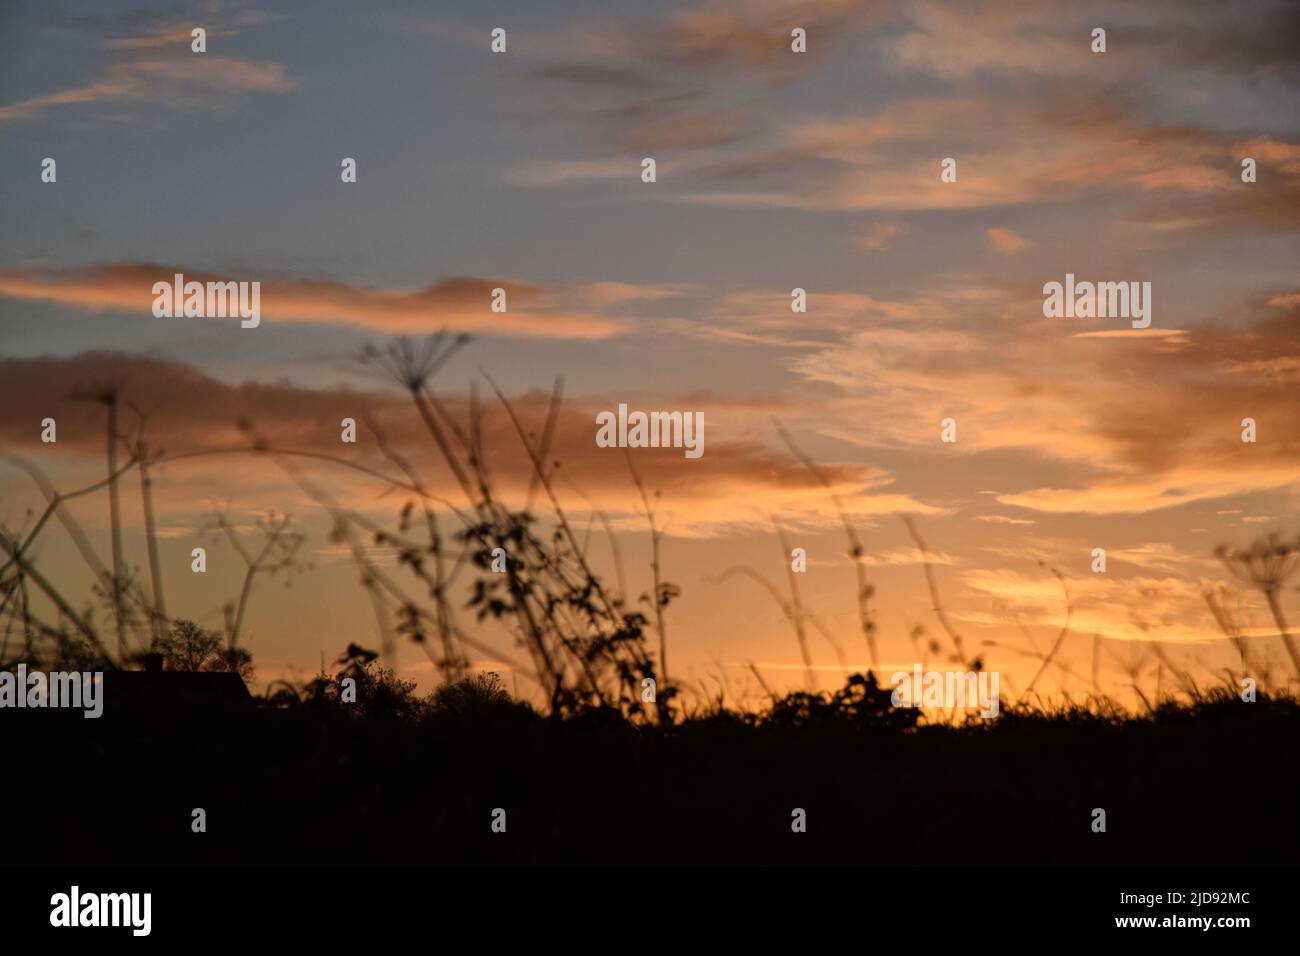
304	777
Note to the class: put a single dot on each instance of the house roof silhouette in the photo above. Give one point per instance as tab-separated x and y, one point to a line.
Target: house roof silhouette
180	693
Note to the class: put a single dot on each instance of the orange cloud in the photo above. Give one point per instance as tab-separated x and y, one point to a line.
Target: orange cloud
1007	242
738	481
1034	387
460	304
1059	146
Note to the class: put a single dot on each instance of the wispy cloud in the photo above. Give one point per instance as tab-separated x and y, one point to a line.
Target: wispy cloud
460	303
157	67
1032	387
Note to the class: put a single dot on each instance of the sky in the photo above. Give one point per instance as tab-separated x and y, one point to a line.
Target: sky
775	170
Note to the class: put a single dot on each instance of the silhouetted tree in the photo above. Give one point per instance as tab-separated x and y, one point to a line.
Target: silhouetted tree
189	647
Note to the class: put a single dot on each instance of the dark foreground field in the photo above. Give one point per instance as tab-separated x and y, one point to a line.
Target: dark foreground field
322	782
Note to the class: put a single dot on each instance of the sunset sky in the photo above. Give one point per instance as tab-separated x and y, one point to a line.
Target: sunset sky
775	170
